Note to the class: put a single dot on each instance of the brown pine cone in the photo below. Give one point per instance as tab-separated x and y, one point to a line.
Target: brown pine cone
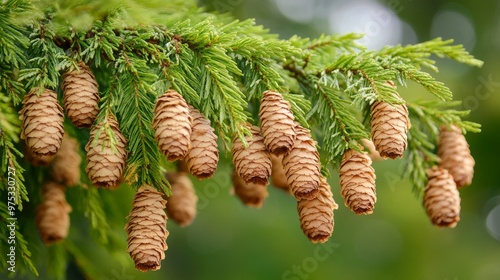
316	214
253	163
65	167
278	174
172	125
105	164
52	215
455	155
147	229
42	122
357	182
81	95
441	198
277	123
181	204
390	124
302	165
201	160
251	194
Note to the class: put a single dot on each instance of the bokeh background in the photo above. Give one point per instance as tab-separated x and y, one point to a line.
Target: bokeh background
229	241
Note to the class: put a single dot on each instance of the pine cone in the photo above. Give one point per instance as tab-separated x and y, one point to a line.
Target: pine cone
302	165
455	155
65	167
201	160
277	123
104	164
81	95
370	149
357	182
172	125
316	214
251	194
147	229
389	123
441	198
42	122
253	163
52	216
278	174
181	205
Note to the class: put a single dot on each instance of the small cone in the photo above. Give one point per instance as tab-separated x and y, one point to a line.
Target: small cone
65	167
81	95
441	198
201	160
172	125
357	182
251	194
181	205
455	155
278	174
371	150
277	123
147	229
302	165
52	216
42	123
389	124
104	164
316	214
253	163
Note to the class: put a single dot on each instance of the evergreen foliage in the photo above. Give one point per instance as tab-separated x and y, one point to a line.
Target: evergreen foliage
138	49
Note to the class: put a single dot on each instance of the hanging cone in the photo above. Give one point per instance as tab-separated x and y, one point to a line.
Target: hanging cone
251	194
104	164
316	214
253	163
52	215
42	122
441	198
389	124
201	160
81	95
357	182
455	155
172	125
65	167
278	174
277	123
147	229
371	150
302	165
181	205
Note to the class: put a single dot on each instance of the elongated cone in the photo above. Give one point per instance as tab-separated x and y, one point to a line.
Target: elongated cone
316	214
181	205
42	122
201	160
251	194
253	164
172	125
278	174
81	95
105	163
357	182
277	123
147	229
441	198
390	124
52	215
302	165
455	155
65	167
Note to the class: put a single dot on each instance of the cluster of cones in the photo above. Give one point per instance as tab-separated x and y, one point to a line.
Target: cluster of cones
280	149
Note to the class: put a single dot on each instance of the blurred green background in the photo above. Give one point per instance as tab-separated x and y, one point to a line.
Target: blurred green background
229	241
